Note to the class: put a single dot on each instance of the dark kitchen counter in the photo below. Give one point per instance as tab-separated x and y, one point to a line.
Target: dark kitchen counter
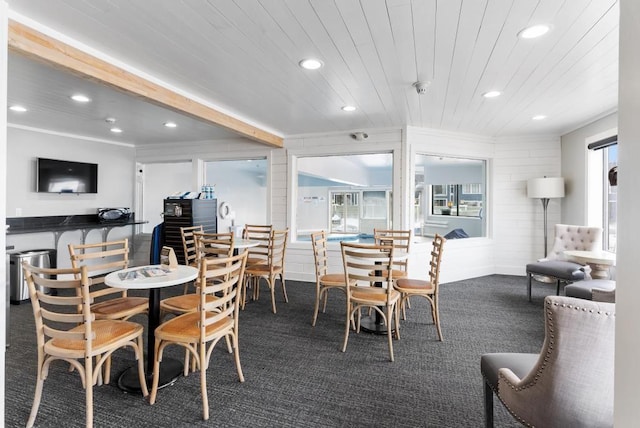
62	223
58	224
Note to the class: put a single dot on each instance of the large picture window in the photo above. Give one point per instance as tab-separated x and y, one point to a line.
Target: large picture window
449	196
346	195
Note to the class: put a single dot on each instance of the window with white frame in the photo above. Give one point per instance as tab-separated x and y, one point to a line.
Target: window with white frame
449	194
346	195
603	207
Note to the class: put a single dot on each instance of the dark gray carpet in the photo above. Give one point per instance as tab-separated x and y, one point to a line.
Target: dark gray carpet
296	375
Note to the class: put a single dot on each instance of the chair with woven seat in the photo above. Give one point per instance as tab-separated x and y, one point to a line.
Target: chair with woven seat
570	383
401	241
364	265
199	332
425	288
101	259
67	330
555	267
207	245
258	233
325	281
271	270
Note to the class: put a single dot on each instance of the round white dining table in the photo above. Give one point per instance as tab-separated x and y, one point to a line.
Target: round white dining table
152	278
241	244
599	261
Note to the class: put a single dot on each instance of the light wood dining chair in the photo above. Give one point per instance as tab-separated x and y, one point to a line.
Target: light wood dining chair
259	233
101	259
401	242
271	270
364	265
325	281
75	336
107	303
429	289
189	244
210	244
189	248
199	332
207	245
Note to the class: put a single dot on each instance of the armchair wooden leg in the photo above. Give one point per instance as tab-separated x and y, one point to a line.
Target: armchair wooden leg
529	285
488	406
557	287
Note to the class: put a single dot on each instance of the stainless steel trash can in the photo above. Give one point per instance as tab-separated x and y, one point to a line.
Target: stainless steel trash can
18	289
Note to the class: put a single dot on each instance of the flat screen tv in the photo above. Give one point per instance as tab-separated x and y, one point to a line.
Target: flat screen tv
60	176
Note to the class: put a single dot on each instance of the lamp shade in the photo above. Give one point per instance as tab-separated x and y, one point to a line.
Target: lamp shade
546	187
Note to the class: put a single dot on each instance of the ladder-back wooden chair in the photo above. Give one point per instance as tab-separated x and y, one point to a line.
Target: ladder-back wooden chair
189	248
207	245
259	233
199	332
429	289
325	281
401	242
101	259
365	265
189	244
271	270
75	337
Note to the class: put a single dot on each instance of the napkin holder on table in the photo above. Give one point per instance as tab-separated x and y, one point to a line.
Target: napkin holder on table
168	259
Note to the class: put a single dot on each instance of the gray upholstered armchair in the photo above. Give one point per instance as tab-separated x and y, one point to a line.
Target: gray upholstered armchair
601	290
570	383
555	267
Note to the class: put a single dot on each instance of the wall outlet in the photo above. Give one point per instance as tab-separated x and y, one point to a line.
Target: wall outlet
18	212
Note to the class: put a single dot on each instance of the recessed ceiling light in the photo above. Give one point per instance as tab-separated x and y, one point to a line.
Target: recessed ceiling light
539	117
80	98
116	130
310	64
17	108
170	124
492	94
534	31
349	108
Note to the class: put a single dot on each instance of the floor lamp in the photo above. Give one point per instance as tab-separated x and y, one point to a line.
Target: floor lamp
544	189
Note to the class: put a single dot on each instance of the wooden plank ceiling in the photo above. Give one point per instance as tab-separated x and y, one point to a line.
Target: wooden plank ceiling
243	56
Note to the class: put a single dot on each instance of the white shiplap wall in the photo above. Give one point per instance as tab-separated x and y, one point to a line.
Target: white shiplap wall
518	220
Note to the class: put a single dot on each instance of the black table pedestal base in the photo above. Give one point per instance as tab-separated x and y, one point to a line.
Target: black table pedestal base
170	371
374	325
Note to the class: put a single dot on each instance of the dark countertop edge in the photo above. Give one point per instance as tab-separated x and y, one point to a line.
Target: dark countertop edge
13	230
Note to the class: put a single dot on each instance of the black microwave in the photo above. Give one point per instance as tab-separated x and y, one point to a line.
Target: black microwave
107	215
